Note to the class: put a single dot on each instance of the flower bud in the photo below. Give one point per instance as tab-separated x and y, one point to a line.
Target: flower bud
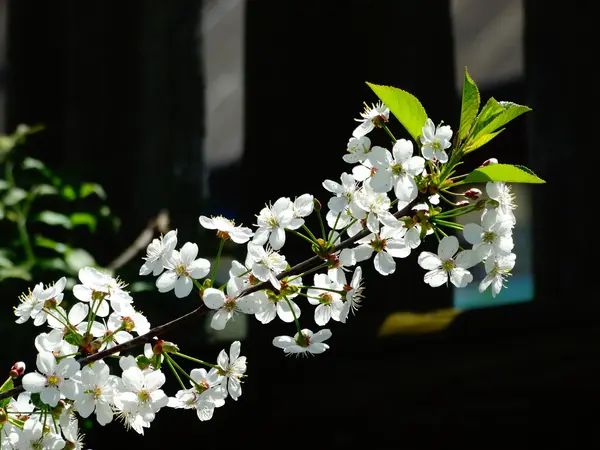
318	205
3	416
17	369
462	203
473	193
489	162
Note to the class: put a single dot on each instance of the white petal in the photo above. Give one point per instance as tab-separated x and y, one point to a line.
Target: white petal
46	363
384	263
277	238
402	150
188	253
166	281
322	314
220	318
50	395
472	233
321	336
198	268
429	261
447	247
283	341
213	298
34	382
460	277
183	287
436	277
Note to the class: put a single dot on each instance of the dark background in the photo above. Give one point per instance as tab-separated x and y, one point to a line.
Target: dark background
120	88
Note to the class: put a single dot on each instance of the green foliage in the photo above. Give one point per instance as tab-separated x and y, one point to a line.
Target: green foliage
503	172
404	106
44	217
469	107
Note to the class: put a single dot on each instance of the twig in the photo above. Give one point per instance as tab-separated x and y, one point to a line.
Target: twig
160	223
170	326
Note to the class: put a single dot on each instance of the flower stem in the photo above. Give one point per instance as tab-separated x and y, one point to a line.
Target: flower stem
306	238
170	364
295	318
218	259
387	130
199	361
310	233
322	225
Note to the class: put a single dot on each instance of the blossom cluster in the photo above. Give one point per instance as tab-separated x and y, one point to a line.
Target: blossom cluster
382	209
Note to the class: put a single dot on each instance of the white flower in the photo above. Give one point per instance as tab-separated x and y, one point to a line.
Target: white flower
33	437
49	384
98	286
376	114
21	406
396	170
205	395
277	306
338	263
140	397
95	391
303	207
329	303
233	368
73	436
377	206
158	252
345	194
358	148
182	267
435	141
272	222
502	202
226	229
309	343
491	237
354	295
443	265
267	264
497	271
388	244
228	305
32	304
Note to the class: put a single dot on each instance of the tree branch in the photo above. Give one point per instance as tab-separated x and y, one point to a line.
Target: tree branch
170	326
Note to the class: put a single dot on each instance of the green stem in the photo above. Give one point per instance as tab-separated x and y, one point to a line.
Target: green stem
310	233
199	361
216	263
343	230
295	318
448	224
306	238
322	225
330	234
170	364
337	291
387	130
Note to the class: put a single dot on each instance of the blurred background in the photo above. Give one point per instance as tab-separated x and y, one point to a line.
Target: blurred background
156	112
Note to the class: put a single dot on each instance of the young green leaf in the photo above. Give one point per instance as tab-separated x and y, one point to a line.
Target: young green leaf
83	218
404	106
54	218
503	172
470	106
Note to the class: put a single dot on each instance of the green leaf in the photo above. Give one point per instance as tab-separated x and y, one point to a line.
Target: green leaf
479	142
3	185
44	242
6	386
92	188
503	172
68	192
32	163
5	262
44	189
15	272
470	106
14	196
54	218
492	117
55	264
404	106
78	258
83	218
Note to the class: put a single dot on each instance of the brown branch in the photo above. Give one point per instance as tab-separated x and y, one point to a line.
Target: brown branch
310	263
159	223
142	339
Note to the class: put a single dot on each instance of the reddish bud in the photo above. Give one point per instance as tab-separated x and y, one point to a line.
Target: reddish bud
473	193
17	369
489	162
462	203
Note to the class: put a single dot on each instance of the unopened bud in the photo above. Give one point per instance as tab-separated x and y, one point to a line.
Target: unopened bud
473	193
489	162
462	203
481	204
317	204
17	369
157	348
128	324
3	416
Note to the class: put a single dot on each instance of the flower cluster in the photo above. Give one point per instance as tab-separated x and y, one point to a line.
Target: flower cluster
382	209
